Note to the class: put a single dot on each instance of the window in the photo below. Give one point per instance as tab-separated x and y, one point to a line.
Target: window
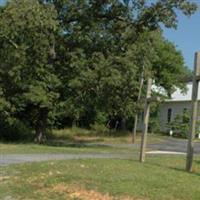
169	115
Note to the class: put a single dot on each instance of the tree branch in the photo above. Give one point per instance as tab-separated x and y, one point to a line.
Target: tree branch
9	40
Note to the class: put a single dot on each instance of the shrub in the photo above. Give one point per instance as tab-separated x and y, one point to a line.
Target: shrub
101	118
180	125
99	129
154	125
15	130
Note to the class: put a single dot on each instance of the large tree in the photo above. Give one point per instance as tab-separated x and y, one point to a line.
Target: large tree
27	73
106	44
76	58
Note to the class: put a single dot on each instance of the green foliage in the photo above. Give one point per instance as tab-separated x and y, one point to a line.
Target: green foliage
179	127
168	65
181	124
72	60
154	124
14	130
99	129
26	70
151	14
101	118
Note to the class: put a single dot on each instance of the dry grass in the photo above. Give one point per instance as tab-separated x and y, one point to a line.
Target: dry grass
77	192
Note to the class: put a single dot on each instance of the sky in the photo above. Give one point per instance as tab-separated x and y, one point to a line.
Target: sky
186	37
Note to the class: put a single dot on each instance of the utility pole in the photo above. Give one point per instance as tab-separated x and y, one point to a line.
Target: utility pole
146	121
194	112
134	132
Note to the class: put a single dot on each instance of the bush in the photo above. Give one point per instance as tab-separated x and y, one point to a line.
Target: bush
154	125
15	130
181	124
101	118
99	129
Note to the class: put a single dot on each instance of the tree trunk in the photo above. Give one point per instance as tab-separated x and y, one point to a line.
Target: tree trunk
116	125
134	131
40	127
123	124
40	134
108	124
74	123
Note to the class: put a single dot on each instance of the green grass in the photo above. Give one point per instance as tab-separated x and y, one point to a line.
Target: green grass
160	178
77	141
75	148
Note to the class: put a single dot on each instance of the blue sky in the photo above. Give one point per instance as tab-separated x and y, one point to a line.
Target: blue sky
186	37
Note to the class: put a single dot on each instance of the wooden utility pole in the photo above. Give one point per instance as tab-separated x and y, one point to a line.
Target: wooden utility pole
194	112
136	116
146	121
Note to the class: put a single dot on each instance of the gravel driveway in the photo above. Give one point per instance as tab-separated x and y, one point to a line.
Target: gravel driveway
8	159
176	145
170	144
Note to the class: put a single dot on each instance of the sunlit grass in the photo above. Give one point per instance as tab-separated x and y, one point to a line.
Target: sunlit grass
160	178
79	140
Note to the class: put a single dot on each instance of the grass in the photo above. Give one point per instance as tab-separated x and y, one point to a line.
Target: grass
68	148
85	135
161	177
77	141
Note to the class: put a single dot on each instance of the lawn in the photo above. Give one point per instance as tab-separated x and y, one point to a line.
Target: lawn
161	177
78	141
68	148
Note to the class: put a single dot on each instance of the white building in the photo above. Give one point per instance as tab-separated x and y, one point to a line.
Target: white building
177	105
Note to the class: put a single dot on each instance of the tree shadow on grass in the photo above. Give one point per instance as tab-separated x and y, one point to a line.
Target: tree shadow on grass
75	143
178	168
194	172
58	141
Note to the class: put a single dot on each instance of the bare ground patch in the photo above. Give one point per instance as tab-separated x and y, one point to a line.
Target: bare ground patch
80	193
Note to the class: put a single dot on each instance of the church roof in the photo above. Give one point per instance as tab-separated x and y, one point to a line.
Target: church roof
178	95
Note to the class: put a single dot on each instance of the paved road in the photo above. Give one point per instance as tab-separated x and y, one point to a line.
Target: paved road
171	144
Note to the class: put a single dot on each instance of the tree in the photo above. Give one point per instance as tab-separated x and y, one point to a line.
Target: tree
168	65
103	41
95	57
150	14
27	73
76	59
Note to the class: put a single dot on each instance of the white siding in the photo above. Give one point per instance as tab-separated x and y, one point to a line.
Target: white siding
177	109
177	103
